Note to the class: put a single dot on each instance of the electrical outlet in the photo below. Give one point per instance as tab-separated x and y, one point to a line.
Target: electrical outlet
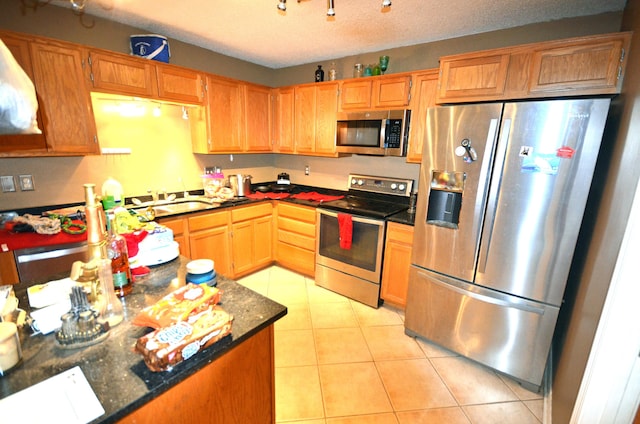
306	170
8	184
26	182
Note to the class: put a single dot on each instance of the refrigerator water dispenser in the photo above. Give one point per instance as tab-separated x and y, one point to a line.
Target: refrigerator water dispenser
445	199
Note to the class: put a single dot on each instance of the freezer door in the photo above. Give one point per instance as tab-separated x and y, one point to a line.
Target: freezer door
453	187
545	159
509	334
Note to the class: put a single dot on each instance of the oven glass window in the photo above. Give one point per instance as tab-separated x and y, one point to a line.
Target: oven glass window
364	243
359	133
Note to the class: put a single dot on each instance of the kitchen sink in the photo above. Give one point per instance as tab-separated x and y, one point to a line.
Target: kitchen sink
176	207
181	207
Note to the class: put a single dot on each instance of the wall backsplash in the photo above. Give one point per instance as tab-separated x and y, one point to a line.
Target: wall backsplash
161	158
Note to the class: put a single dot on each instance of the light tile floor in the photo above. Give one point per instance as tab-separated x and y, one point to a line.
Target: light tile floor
338	361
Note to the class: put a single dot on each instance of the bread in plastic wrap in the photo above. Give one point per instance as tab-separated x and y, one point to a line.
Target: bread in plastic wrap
168	346
178	305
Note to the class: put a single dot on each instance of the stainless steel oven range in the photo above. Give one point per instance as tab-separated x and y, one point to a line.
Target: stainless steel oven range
350	236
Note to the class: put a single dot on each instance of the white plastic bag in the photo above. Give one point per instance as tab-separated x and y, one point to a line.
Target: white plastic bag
18	103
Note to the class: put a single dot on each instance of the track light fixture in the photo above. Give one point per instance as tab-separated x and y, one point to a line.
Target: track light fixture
330	10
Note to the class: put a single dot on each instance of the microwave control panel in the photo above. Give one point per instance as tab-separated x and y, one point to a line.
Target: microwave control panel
393	138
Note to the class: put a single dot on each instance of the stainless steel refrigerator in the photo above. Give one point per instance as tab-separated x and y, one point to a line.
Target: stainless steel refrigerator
502	193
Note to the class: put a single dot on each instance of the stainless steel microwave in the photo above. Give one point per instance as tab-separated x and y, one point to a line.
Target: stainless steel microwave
378	132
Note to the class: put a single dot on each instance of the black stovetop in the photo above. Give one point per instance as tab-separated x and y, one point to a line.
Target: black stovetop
368	204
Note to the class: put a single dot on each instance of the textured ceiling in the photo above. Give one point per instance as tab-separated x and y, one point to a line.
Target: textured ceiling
255	31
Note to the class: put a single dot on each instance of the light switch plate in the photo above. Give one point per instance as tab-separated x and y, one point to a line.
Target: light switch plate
8	184
26	182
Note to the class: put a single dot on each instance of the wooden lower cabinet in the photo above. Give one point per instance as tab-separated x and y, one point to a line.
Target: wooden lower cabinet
397	261
8	270
251	238
209	239
238	387
296	238
180	233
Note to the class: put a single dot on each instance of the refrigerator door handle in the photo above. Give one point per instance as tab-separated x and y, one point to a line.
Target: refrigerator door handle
483	298
493	194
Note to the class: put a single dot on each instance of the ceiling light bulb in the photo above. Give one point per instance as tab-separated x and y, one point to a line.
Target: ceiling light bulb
386	3
330	10
77	4
282	5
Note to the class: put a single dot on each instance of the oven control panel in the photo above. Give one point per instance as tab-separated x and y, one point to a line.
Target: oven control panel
383	185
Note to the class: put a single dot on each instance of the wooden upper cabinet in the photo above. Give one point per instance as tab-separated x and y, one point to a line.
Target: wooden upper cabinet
305	118
473	77
424	97
379	92
61	83
391	91
590	65
356	94
180	84
239	117
23	143
257	118
283	117
594	65
225	115
316	107
326	111
117	73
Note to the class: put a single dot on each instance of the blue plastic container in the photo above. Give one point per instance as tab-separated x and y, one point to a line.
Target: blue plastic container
200	271
150	46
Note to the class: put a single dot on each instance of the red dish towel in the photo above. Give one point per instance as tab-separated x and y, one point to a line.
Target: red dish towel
345	224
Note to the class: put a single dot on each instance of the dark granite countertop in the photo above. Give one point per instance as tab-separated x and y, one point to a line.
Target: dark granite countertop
403	217
117	375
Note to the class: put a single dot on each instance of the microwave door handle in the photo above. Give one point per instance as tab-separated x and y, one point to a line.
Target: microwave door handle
383	133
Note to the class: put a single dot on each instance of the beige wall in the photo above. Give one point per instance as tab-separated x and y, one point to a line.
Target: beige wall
588	291
161	155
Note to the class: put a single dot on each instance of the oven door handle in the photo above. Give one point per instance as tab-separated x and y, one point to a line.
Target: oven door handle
355	218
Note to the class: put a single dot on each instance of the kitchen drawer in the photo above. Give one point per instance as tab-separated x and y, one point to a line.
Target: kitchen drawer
400	233
293	225
295	239
251	212
210	220
297	259
175	225
299	213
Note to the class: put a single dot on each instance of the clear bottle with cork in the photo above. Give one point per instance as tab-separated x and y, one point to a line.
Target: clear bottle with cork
333	75
117	253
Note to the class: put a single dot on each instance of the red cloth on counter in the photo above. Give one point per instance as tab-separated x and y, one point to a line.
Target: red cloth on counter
345	224
316	197
269	195
15	241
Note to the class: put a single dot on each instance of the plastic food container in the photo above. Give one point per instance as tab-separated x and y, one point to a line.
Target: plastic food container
10	351
212	183
200	271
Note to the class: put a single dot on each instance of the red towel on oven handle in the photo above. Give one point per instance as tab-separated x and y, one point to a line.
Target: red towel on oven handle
345	225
